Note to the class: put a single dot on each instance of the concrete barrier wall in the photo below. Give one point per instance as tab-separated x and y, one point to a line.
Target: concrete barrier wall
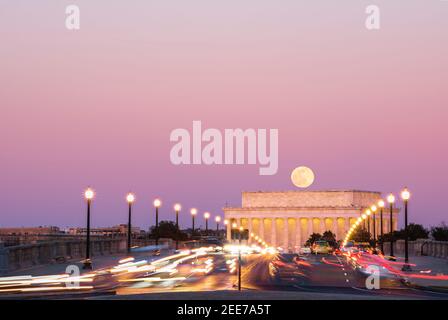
437	249
25	256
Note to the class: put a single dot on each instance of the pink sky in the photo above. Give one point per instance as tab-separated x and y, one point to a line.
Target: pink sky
364	109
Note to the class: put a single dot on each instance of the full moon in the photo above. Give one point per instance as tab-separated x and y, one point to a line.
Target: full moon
302	177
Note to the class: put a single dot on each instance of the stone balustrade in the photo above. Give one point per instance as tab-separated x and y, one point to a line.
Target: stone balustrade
25	256
425	247
28	255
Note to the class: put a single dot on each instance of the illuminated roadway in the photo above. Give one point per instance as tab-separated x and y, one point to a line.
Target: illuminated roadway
210	271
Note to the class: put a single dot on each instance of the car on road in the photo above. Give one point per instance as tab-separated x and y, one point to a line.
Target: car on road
364	247
305	250
322	247
156	253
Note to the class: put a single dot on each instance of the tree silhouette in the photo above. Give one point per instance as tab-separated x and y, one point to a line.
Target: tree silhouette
361	235
440	233
167	229
313	238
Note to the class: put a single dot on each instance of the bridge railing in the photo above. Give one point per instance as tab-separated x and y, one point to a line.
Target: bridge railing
18	257
421	247
24	256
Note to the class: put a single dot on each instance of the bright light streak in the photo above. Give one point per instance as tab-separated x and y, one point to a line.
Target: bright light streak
126	260
153	279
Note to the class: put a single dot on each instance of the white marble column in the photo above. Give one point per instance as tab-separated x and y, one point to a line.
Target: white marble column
335	228
249	223
322	225
273	233
310	227
286	234
298	233
346	225
229	230
261	229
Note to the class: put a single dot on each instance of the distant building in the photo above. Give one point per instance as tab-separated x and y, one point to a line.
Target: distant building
287	219
31	231
26	235
118	230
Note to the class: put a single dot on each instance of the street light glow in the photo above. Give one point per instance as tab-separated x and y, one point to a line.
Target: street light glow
405	194
194	211
368	212
130	198
373	208
89	194
226	222
207	215
218	219
381	203
391	198
234	225
157	203
177	207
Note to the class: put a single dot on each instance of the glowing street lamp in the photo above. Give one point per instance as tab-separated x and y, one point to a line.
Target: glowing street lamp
177	208
217	220
226	224
381	204
193	212
374	209
406	195
239	257
391	200
206	217
130	198
368	213
157	205
89	194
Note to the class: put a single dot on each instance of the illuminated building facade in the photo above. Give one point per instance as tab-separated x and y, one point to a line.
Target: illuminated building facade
286	219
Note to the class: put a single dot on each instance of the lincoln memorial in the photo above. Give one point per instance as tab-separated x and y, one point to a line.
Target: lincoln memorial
287	218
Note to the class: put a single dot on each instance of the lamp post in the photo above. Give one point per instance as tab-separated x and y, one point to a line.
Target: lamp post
88	195
177	208
206	216
157	204
374	209
239	257
234	227
130	198
363	220
381	204
226	225
405	195
391	200
368	213
193	212
217	220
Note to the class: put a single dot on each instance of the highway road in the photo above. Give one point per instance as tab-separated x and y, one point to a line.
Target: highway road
214	271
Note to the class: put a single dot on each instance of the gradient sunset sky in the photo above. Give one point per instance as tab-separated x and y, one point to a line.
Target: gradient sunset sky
364	109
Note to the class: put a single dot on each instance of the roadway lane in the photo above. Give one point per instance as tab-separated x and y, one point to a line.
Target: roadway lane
334	274
255	272
328	275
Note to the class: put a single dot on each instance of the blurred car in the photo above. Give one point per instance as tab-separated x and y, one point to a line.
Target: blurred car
305	250
284	266
322	247
364	247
